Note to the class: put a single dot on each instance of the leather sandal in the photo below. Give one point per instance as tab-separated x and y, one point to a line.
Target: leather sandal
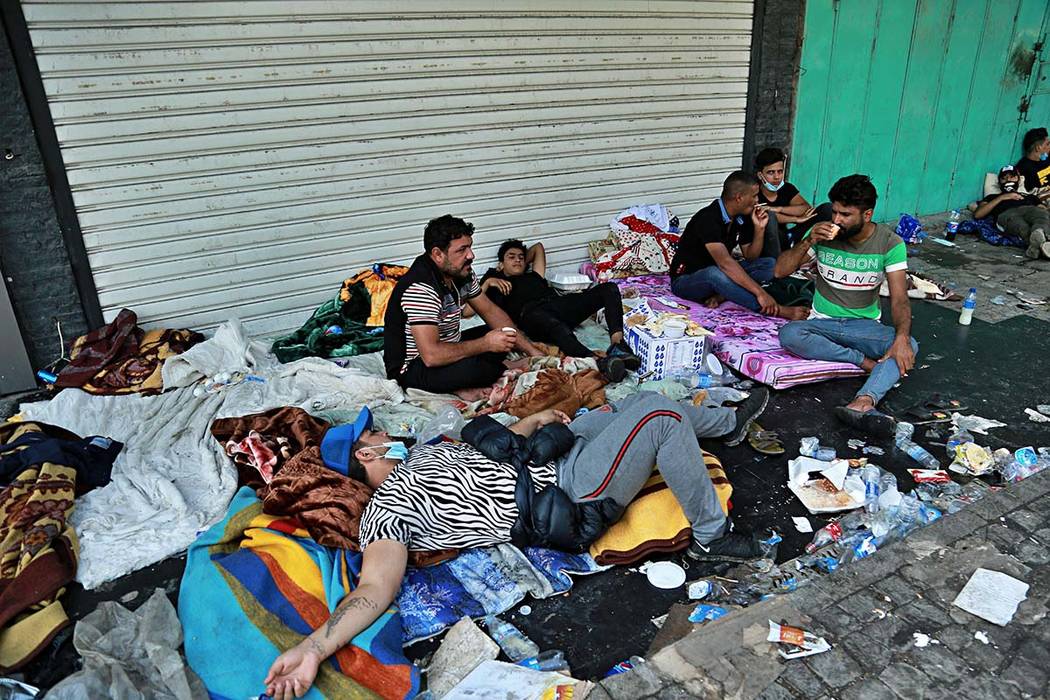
765	442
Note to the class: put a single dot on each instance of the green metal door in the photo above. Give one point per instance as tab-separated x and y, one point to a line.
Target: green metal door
925	97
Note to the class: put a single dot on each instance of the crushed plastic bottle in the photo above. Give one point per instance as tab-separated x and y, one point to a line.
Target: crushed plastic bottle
903	431
511	640
550	660
835	531
919	453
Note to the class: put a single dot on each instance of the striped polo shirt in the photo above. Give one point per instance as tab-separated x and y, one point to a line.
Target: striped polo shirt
421	298
447	496
849	276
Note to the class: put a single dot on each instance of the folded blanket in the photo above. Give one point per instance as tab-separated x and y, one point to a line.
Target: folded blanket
350	324
121	358
745	340
38	554
654	522
989	232
258	584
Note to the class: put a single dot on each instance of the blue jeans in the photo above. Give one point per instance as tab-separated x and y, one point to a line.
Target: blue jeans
699	285
847	340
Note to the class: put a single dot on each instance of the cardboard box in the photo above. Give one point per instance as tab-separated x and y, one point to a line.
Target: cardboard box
663	356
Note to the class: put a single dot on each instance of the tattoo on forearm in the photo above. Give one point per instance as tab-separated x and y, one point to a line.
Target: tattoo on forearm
356	603
316	646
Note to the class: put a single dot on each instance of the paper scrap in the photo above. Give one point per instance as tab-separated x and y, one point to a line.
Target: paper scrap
802	524
930	476
923	640
494	679
658	622
992	595
1036	416
975	424
981	637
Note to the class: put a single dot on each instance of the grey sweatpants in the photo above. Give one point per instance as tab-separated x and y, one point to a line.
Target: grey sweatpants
616	450
1021	221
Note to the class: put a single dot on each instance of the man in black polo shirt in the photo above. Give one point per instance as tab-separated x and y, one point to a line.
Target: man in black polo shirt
423	346
550	317
1018	214
704	269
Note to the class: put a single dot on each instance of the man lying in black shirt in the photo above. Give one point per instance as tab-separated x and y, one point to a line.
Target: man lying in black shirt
550	317
1017	214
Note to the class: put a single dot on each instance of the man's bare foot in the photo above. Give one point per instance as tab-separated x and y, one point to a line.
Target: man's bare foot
521	363
793	313
472	395
714	301
862	404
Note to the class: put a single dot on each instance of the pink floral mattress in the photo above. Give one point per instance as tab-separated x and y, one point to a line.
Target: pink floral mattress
745	340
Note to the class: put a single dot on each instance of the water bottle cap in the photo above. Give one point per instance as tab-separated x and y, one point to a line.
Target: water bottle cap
973	290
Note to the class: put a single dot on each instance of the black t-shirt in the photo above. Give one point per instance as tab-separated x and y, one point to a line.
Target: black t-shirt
1029	200
1035	173
708	226
783	196
526	289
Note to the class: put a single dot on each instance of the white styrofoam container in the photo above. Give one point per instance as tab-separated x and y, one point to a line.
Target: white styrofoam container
664	355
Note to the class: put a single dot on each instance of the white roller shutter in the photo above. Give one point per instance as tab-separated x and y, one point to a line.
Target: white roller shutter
243	158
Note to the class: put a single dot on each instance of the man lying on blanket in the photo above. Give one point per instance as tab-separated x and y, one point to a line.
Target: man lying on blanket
549	317
545	481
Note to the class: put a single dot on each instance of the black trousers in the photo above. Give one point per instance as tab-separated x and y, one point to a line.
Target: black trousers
553	321
468	373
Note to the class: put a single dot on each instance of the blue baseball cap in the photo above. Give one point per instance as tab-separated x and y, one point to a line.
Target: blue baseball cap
339	441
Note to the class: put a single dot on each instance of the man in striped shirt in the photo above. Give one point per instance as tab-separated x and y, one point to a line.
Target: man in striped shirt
450	495
423	346
854	255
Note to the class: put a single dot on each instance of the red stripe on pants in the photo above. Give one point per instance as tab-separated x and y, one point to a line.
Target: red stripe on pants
626	445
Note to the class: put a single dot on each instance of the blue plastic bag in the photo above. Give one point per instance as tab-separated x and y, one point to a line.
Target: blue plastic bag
910	229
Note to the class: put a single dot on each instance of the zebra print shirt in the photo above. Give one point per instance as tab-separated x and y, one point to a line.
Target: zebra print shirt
447	496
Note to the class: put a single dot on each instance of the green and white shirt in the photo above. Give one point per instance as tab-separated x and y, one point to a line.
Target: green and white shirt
849	276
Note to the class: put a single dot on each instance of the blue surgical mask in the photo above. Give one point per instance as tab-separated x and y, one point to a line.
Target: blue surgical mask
396	451
773	188
1044	156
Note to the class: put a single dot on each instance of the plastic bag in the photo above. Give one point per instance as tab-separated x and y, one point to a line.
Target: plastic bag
910	229
448	421
130	655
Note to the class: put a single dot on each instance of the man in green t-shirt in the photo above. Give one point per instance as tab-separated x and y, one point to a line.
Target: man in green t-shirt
853	256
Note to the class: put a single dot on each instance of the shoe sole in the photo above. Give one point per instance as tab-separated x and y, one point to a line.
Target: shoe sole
615	370
733	442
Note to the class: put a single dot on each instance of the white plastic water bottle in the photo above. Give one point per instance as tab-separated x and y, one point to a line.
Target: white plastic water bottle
511	640
951	226
968	306
919	453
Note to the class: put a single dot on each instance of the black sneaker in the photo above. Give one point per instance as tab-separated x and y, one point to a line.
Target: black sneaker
623	351
748	410
612	368
732	547
872	422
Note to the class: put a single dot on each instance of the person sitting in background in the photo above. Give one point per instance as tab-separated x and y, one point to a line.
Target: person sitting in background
423	347
1017	214
783	200
854	255
550	317
1034	166
704	269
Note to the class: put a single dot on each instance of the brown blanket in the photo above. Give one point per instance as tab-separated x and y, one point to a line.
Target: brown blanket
121	358
558	389
288	430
